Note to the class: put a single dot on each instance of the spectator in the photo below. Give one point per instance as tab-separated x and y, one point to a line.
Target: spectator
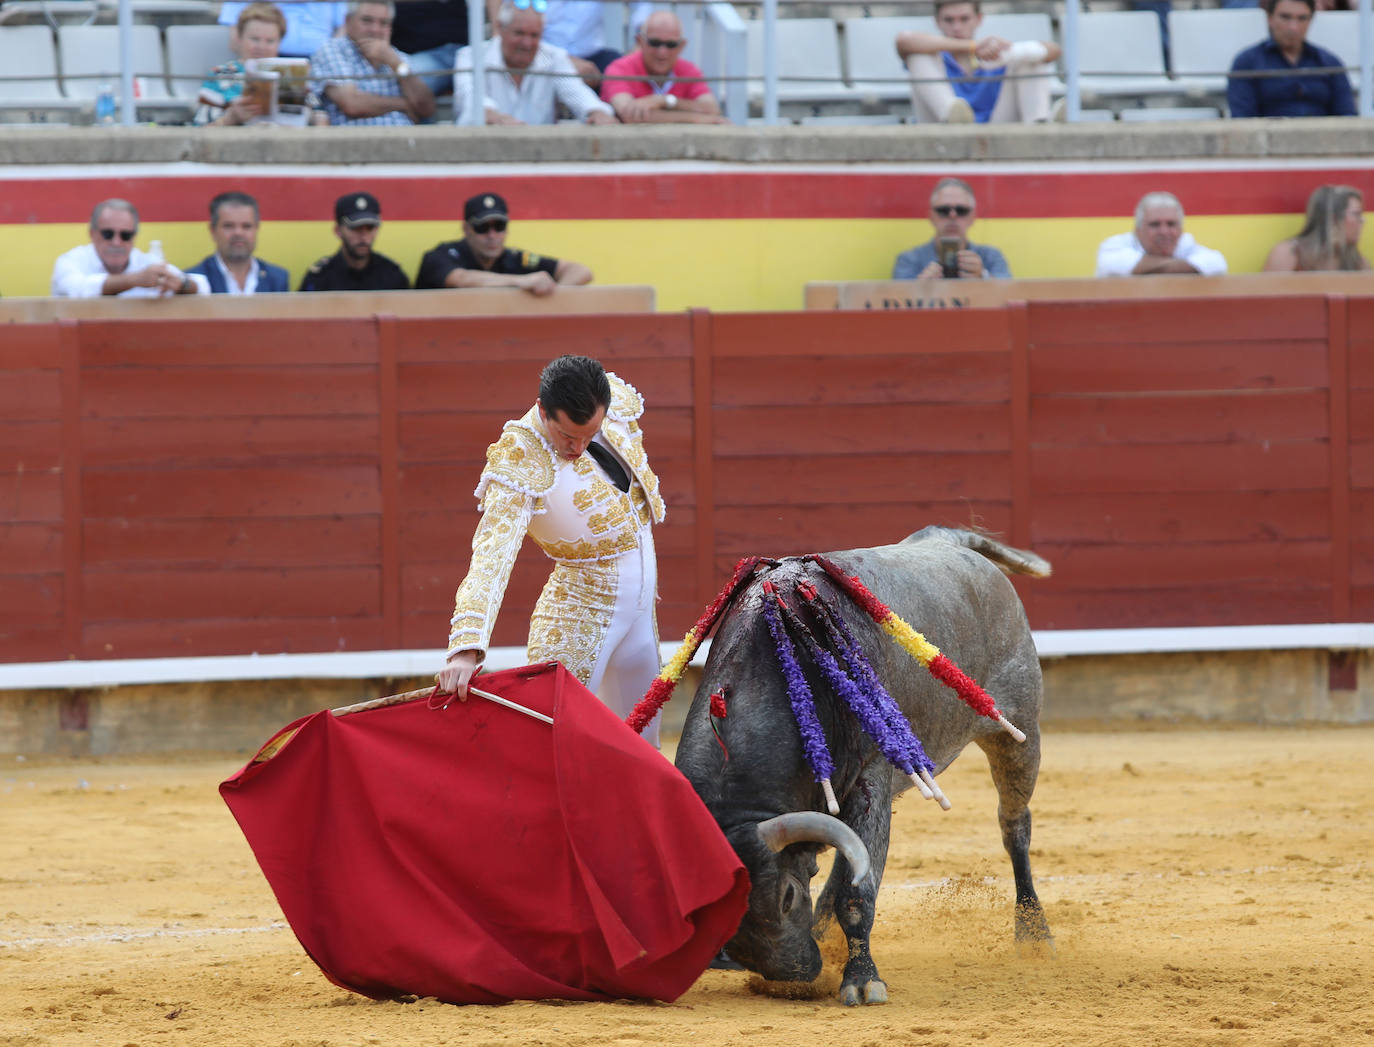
515	97
366	80
1294	92
1158	244
111	265
431	32
665	98
952	212
1009	81
257	34
355	266
1330	237
482	259
577	26
232	269
308	25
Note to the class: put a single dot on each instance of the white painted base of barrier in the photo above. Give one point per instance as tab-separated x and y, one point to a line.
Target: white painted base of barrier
368	665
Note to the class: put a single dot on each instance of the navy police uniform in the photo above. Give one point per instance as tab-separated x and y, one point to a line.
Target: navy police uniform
332	273
456	254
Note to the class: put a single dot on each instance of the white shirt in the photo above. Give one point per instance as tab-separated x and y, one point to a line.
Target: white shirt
1120	254
79	273
231	284
532	100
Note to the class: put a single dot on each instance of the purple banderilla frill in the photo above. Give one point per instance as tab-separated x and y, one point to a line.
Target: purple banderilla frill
798	691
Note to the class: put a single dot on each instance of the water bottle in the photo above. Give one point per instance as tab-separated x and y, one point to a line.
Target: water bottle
155	252
105	105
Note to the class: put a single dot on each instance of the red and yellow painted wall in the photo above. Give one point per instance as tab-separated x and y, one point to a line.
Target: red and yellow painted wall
726	237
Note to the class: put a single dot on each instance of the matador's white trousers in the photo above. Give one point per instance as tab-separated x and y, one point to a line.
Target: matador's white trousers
598	620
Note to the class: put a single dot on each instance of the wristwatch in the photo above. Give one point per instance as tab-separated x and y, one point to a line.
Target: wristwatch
403	69
670	101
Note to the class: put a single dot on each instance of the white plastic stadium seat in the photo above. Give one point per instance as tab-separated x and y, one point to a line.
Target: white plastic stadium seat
807	48
192	51
1121	54
1339	33
27	50
870	46
1204	43
1149	114
90	57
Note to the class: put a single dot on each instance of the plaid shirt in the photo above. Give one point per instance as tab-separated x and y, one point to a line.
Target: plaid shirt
340	57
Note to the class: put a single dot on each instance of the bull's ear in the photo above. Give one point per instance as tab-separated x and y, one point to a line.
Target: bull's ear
814	827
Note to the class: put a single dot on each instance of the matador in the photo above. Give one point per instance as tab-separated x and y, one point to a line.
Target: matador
572	473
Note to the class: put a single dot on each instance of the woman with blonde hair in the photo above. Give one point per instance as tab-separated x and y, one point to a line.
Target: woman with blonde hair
1330	237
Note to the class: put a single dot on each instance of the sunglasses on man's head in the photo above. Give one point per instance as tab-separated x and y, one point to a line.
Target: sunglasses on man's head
124	234
950	210
654	41
492	225
527	5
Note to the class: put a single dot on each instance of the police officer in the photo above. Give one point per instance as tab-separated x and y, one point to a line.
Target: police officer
482	259
355	266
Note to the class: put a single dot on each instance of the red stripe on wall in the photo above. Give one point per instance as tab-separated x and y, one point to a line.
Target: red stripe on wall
301	195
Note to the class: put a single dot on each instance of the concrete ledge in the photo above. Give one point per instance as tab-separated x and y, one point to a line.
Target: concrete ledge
1330	137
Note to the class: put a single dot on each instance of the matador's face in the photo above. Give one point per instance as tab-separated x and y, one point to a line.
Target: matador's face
568	438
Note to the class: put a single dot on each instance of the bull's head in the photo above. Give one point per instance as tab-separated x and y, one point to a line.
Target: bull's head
774	938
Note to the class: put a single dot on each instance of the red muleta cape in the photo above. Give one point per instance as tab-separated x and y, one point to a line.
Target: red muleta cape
477	855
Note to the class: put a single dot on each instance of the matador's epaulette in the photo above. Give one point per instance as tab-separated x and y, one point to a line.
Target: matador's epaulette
519	460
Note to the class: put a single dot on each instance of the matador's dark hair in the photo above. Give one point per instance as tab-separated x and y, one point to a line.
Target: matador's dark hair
575	385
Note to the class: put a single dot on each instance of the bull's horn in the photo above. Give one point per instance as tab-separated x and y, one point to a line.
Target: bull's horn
812	826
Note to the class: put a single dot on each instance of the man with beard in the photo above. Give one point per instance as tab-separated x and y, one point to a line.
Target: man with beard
482	259
232	269
355	266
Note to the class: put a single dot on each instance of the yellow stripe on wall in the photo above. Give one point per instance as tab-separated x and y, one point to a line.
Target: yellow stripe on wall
725	265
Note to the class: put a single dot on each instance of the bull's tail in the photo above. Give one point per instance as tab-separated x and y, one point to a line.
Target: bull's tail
1008	558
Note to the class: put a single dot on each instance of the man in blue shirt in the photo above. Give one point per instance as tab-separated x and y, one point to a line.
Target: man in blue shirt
952	208
1298	93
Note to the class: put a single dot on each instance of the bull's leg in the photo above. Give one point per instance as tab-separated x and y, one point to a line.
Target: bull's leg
868	811
1015	766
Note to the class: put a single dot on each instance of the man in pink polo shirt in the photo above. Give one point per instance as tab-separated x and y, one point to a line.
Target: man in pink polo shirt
663	97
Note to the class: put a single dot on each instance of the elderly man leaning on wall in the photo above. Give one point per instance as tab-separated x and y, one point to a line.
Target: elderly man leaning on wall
525	78
655	84
1158	244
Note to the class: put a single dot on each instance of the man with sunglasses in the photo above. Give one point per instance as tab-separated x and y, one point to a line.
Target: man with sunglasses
654	84
952	212
482	259
111	265
525	77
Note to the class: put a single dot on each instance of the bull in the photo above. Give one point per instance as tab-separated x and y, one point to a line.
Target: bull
750	770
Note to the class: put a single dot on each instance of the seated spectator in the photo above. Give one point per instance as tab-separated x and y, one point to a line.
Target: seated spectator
111	265
1009	82
952	213
355	266
308	24
665	98
1158	244
232	269
482	259
1330	237
577	26
388	92
1298	93
257	34
512	97
431	32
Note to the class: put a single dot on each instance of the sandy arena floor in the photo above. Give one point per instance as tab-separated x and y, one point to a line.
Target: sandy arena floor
1205	887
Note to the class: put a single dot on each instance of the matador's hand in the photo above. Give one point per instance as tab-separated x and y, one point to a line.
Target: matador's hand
454	676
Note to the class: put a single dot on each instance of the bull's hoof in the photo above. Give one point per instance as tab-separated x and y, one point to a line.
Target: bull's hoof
1031	925
874	991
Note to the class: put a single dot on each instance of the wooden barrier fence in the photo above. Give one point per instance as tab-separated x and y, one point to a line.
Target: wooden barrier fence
173	487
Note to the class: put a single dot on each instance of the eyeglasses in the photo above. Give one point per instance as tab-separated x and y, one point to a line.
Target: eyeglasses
124	234
950	210
531	5
671	45
495	225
